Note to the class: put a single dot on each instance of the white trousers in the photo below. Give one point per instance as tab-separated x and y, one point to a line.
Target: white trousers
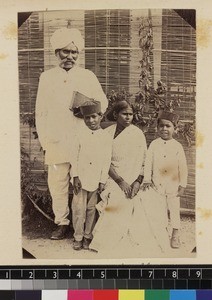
58	181
84	214
173	205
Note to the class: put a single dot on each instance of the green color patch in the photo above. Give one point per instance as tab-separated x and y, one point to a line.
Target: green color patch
157	295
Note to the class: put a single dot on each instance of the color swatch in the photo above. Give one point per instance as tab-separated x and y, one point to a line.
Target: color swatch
106	294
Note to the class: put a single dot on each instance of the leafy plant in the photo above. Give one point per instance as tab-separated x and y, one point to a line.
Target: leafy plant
148	101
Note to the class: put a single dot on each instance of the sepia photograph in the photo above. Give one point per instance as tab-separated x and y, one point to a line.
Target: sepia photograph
107	103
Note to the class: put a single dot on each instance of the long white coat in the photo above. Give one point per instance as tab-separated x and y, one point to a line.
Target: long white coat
56	125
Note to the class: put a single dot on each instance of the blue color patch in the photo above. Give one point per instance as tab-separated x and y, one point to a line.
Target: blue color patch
182	295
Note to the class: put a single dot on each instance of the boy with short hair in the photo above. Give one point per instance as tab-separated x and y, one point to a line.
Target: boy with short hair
90	168
166	170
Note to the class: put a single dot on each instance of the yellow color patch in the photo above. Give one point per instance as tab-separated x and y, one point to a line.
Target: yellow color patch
131	294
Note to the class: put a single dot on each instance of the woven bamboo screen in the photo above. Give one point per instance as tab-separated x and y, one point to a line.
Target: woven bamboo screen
178	71
112	53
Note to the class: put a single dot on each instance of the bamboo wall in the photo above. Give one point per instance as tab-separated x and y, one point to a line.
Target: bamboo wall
112	53
178	71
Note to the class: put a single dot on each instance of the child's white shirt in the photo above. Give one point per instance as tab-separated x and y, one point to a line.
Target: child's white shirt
166	166
92	157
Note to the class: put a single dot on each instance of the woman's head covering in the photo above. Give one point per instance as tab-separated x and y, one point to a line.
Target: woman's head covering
117	107
64	36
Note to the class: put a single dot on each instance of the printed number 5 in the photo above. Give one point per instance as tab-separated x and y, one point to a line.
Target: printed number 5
102	274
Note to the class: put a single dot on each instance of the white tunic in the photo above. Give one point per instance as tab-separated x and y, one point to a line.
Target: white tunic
166	166
91	161
55	123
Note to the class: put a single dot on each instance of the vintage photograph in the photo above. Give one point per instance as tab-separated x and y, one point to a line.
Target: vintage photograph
107	133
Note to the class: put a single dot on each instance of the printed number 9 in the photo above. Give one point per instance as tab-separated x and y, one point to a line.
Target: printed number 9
198	273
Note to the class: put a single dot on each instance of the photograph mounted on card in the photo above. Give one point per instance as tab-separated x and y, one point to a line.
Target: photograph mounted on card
132	193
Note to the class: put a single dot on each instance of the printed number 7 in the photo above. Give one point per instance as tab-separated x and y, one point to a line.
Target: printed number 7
150	274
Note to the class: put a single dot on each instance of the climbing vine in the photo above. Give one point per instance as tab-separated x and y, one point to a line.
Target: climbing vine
148	101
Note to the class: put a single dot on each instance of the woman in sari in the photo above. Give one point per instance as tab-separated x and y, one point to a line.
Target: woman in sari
123	226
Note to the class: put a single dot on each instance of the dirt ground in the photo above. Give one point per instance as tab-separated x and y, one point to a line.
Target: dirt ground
37	230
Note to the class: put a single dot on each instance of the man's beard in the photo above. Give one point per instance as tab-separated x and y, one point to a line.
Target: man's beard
62	62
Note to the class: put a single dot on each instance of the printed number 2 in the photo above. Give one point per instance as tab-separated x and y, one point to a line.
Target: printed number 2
31	275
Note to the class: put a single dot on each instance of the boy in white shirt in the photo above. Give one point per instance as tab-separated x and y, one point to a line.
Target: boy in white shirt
90	168
166	170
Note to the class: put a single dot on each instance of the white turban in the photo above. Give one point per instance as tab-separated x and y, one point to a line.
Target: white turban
64	36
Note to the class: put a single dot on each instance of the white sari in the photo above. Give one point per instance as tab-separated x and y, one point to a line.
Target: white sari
123	228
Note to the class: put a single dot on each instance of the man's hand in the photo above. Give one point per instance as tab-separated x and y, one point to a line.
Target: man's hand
101	187
77	185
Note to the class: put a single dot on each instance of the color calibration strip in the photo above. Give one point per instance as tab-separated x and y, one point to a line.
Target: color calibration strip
132	277
107	295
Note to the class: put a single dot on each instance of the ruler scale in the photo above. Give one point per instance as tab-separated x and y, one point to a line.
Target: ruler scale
108	276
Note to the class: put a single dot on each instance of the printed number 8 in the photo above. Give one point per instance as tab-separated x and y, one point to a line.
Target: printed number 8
174	274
